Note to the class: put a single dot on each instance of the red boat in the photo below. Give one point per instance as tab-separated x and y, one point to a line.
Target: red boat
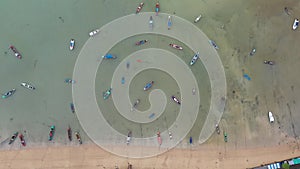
157	8
78	137
139	8
159	138
175	46
22	140
141	42
70	133
16	53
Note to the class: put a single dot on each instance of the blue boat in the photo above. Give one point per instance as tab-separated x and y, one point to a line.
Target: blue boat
70	81
148	85
213	43
106	94
157	8
9	93
51	133
194	59
169	22
109	56
72	107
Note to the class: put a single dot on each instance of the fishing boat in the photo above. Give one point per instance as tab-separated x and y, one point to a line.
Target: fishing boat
70	81
106	94
197	19
72	44
169	22
51	133
9	93
72	107
94	32
213	43
69	131
129	136
194	59
27	85
151	22
175	100
22	140
109	56
78	137
175	46
13	137
148	85
141	42
295	24
157	8
159	140
139	8
16	52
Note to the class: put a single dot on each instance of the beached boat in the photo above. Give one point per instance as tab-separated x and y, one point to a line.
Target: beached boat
159	140
148	85
169	22
295	24
9	93
22	140
27	85
141	42
175	100
175	46
69	131
139	8
16	52
94	32
13	137
106	94
194	59
157	8
72	107
129	136
213	43
151	22
51	133
197	19
70	81
72	44
109	56
78	137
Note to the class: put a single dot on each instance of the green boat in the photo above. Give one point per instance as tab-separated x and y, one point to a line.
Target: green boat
106	94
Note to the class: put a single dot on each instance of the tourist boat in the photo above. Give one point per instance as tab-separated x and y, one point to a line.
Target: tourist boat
268	62
197	19
139	8
175	46
72	44
159	140
157	8
141	42
22	140
69	131
72	107
109	56
51	133
169	22
94	32
213	43
148	85
175	100
106	94
16	52
295	24
27	85
129	136
194	59
13	137
9	93
78	137
151	22
70	81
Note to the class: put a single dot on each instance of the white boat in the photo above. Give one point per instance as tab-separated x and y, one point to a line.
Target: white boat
271	117
72	44
94	32
295	24
194	59
197	19
27	85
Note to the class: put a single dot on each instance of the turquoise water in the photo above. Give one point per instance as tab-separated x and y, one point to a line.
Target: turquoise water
41	31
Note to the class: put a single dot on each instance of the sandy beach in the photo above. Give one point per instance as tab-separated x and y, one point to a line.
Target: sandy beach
252	140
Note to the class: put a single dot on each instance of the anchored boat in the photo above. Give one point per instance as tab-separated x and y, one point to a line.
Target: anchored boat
22	140
109	56
139	8
51	133
16	52
194	59
106	94
69	131
70	81
198	19
295	24
27	85
175	100
72	107
213	43
13	137
148	85
72	44
175	46
78	137
94	32
169	22
9	93
157	8
151	22
141	42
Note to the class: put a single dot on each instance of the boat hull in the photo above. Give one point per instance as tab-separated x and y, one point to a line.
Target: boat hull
8	94
27	86
72	44
295	24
